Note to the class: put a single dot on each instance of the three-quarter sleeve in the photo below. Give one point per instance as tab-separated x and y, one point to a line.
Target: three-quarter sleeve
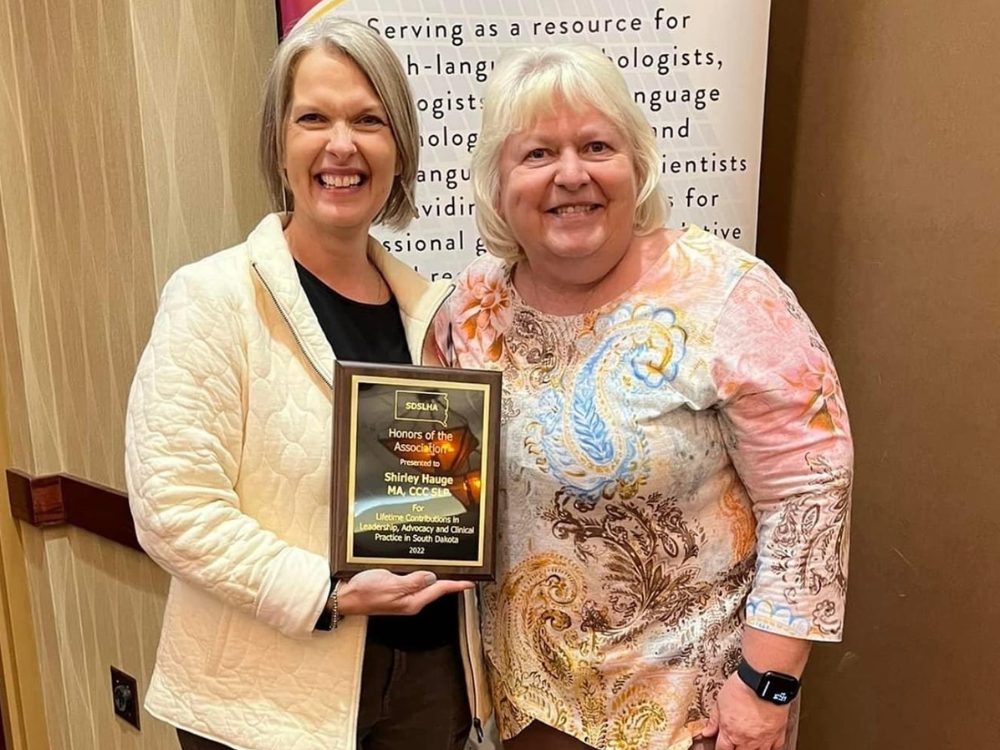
786	428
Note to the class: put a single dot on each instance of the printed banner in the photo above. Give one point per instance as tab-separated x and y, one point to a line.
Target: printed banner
695	67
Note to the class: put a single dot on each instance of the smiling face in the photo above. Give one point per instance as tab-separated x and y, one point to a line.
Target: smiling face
340	155
568	191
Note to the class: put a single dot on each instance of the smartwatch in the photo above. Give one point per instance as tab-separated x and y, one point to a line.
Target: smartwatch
775	687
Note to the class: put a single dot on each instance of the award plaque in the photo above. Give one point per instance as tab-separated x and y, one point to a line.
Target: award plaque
414	469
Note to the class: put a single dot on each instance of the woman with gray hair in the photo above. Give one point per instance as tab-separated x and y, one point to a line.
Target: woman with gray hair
229	432
677	458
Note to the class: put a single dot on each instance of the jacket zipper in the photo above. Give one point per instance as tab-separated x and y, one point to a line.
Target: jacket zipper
470	664
288	322
476	721
315	367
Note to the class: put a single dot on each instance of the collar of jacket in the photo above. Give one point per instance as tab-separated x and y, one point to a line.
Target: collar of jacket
272	260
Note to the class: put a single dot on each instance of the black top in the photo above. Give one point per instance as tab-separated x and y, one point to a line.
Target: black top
349	326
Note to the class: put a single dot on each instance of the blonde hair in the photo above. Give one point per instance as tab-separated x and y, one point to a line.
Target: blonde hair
531	82
378	62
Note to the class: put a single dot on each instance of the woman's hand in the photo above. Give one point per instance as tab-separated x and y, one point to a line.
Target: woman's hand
379	592
742	721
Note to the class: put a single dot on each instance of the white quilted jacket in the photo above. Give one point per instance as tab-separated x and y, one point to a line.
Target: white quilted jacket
228	469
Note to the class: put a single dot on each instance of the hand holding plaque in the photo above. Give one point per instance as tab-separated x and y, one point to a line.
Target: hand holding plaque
379	592
414	470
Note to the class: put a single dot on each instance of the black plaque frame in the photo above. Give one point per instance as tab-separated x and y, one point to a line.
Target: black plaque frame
348	377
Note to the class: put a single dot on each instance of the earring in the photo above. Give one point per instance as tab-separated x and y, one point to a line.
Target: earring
284	190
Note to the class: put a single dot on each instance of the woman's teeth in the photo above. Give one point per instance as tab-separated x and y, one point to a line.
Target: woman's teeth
576	209
339	181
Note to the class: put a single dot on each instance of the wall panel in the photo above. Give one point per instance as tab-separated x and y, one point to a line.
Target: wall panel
127	147
22	702
81	216
200	72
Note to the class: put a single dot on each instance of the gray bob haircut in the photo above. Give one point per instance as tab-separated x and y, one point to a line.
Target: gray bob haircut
378	62
531	82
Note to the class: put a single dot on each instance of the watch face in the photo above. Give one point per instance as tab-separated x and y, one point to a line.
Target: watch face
778	688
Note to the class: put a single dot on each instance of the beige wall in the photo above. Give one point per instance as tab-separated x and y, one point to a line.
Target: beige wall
21	704
881	178
127	147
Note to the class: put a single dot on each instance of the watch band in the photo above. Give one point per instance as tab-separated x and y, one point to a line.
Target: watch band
776	687
330	615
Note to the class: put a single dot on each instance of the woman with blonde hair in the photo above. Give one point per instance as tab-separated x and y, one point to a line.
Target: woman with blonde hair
677	458
229	432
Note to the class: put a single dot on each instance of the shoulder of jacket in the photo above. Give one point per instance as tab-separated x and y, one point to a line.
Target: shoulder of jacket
221	276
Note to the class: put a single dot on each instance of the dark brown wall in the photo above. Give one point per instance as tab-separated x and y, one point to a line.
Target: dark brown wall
880	204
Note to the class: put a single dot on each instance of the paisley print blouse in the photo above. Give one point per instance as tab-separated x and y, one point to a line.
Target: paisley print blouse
676	464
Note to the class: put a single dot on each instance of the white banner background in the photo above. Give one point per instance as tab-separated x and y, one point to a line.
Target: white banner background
696	68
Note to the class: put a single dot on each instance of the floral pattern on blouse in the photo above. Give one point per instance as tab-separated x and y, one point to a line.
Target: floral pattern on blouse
676	465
